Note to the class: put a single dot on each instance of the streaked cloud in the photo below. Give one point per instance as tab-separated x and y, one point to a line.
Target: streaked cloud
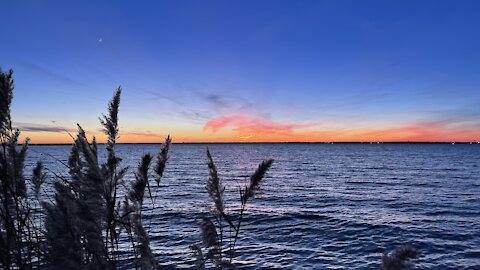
222	102
171	98
43	71
41	127
142	134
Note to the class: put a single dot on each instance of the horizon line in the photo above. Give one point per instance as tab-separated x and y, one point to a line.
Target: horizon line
287	142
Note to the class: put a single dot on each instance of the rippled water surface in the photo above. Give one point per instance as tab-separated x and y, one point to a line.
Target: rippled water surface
323	206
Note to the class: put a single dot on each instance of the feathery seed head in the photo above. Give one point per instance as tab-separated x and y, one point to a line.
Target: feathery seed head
398	258
214	186
256	179
209	233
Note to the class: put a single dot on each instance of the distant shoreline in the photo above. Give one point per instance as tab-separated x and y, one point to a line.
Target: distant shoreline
49	144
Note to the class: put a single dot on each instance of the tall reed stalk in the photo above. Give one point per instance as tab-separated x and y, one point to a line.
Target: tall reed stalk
20	237
85	223
218	244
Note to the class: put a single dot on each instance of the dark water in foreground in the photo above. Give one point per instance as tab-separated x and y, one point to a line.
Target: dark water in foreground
324	206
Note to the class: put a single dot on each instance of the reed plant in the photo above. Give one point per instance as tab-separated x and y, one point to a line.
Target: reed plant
87	220
20	234
218	245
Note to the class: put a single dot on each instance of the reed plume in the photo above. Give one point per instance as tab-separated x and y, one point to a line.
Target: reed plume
15	162
256	180
113	178
134	202
209	233
110	128
137	192
162	159
80	210
214	185
6	96
89	198
38	178
211	242
213	232
199	258
18	232
136	196
65	249
110	121
398	259
147	259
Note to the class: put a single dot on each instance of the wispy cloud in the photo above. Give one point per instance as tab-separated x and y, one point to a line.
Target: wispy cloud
50	74
194	103
170	97
195	115
142	134
222	102
129	133
216	100
41	127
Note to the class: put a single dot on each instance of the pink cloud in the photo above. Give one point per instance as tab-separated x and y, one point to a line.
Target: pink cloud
250	128
252	125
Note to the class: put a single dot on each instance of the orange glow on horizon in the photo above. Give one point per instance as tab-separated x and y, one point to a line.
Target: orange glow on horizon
404	134
246	128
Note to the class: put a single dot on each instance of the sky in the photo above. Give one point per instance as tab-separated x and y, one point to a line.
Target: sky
246	71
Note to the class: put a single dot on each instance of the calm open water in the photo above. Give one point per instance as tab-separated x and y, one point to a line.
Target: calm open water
323	206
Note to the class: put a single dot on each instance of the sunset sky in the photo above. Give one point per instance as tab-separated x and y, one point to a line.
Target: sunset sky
246	71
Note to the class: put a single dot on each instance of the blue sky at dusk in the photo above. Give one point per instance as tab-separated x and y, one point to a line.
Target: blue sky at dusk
246	70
